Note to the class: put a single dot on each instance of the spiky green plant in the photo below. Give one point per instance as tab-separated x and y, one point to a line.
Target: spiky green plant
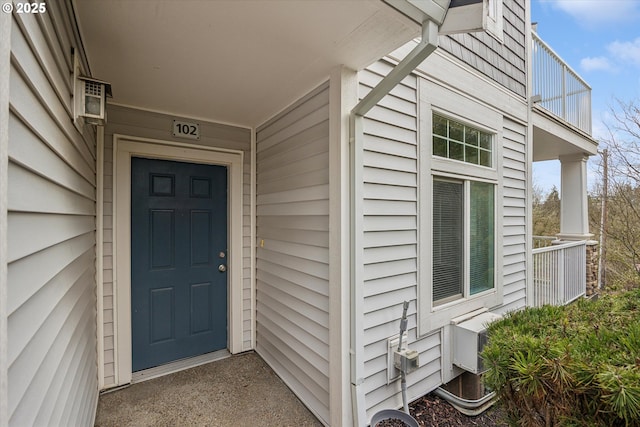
577	365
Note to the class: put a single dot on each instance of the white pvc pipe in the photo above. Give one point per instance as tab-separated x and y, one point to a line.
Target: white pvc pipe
403	386
468	407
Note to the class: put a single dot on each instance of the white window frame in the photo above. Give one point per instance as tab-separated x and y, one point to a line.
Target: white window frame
444	102
466	249
487	171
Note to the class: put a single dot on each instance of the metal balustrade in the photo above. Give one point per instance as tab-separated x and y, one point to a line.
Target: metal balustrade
558	88
559	273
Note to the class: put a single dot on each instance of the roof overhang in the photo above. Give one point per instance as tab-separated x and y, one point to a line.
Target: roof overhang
422	10
451	16
553	138
237	62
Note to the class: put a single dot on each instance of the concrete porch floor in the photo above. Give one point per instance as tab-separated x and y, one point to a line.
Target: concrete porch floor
240	390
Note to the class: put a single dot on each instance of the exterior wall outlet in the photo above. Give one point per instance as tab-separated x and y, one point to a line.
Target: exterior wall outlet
392	346
406	360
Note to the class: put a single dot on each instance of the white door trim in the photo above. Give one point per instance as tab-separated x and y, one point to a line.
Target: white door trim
124	147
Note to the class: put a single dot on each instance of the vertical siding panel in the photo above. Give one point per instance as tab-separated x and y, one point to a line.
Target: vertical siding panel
51	244
292	258
152	125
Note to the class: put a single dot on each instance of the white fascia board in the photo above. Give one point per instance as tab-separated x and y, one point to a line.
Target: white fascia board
421	10
465	16
435	10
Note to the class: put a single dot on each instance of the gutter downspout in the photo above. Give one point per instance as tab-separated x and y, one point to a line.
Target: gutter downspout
425	47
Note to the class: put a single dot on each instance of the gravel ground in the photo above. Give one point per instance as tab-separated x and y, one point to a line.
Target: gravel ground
432	411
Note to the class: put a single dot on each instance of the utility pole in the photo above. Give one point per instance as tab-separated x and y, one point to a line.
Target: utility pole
603	218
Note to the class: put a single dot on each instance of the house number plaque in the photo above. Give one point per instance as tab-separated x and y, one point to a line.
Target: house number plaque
187	130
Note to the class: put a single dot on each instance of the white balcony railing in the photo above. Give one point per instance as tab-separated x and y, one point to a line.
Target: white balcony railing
559	273
543	241
561	90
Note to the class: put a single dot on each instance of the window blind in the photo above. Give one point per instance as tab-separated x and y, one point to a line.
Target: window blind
448	248
482	237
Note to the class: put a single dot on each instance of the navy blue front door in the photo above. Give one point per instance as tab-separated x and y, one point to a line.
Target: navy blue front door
178	242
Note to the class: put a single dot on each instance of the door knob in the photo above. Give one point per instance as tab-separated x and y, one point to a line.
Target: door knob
222	268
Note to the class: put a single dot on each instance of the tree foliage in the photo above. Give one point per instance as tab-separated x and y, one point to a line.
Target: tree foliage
622	228
546	213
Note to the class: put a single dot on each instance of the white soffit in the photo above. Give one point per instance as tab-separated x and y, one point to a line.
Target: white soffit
231	61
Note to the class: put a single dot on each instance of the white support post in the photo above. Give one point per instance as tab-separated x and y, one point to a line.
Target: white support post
574	219
5	54
343	96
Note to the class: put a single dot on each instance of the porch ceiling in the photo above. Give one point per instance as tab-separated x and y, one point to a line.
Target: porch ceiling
553	138
236	62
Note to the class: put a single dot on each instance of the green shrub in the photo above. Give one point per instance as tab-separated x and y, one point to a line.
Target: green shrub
577	365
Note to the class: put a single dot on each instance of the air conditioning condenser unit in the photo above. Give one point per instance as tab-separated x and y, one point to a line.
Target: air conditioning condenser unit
469	339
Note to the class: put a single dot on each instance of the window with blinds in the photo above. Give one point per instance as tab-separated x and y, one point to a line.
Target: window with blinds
481	237
460	265
463	238
448	249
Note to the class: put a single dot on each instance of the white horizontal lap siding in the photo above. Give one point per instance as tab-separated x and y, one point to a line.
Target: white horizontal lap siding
426	378
154	125
390	239
51	238
292	257
514	201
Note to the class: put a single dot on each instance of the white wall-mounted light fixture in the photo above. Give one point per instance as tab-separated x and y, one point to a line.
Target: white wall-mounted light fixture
91	100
